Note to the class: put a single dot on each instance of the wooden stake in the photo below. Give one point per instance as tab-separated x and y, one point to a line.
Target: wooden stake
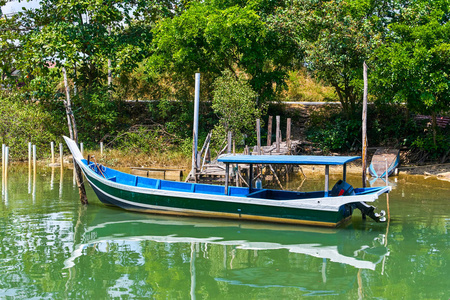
269	131
278	139
364	128
101	148
52	148
387	199
74	135
195	129
3	154
258	137
61	154
34	158
288	134
6	162
29	155
229	142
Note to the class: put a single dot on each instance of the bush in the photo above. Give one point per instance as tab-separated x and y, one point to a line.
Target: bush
426	144
26	122
235	103
336	134
145	139
96	114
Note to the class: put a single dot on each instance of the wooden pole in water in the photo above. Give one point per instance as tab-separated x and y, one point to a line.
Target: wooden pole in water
34	158
73	135
52	147
29	155
288	134
6	162
387	196
61	154
195	129
364	127
229	142
278	134
3	154
269	131
258	137
3	168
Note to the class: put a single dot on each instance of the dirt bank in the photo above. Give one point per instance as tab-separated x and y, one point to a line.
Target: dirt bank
441	171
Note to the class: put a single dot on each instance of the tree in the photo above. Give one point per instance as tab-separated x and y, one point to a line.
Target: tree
213	36
413	63
336	37
234	102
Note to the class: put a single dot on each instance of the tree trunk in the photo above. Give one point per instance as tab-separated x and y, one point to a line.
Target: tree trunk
364	127
434	124
74	135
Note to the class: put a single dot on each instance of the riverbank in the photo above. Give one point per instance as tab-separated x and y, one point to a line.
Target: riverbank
116	159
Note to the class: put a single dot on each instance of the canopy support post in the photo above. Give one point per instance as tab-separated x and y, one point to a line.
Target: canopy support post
227	175
344	175
250	179
327	179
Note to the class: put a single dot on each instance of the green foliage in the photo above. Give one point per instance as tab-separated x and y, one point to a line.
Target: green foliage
177	117
412	63
22	123
235	104
435	150
97	113
145	139
336	37
213	36
336	134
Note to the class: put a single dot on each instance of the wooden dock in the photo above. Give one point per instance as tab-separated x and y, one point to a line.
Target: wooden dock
211	171
158	172
214	172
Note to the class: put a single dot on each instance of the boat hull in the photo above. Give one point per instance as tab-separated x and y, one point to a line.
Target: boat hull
170	203
136	193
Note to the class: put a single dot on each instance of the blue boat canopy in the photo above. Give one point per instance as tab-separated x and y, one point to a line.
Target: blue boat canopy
287	159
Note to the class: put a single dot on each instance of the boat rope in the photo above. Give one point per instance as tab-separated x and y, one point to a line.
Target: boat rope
98	166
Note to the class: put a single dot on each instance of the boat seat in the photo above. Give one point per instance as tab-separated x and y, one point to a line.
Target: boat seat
209	189
237	191
147	182
176	186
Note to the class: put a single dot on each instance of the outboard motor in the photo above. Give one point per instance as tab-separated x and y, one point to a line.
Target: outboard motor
342	188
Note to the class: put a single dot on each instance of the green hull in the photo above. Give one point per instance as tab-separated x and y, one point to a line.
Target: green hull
189	204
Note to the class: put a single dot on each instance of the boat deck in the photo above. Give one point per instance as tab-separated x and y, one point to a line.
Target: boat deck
160	184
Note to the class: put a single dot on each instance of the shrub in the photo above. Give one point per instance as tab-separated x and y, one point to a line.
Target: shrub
235	103
26	122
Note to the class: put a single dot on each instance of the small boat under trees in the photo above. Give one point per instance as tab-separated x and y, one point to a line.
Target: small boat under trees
329	208
384	161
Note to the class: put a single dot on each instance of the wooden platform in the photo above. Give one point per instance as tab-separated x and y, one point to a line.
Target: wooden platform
214	172
157	172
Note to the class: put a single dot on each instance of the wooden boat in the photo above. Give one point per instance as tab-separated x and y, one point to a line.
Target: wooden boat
328	208
384	160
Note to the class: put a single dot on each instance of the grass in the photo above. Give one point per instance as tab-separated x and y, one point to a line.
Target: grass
126	159
302	87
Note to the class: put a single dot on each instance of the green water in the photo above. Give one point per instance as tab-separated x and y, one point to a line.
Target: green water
52	247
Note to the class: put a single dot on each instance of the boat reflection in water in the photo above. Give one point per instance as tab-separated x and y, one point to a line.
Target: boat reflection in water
347	247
